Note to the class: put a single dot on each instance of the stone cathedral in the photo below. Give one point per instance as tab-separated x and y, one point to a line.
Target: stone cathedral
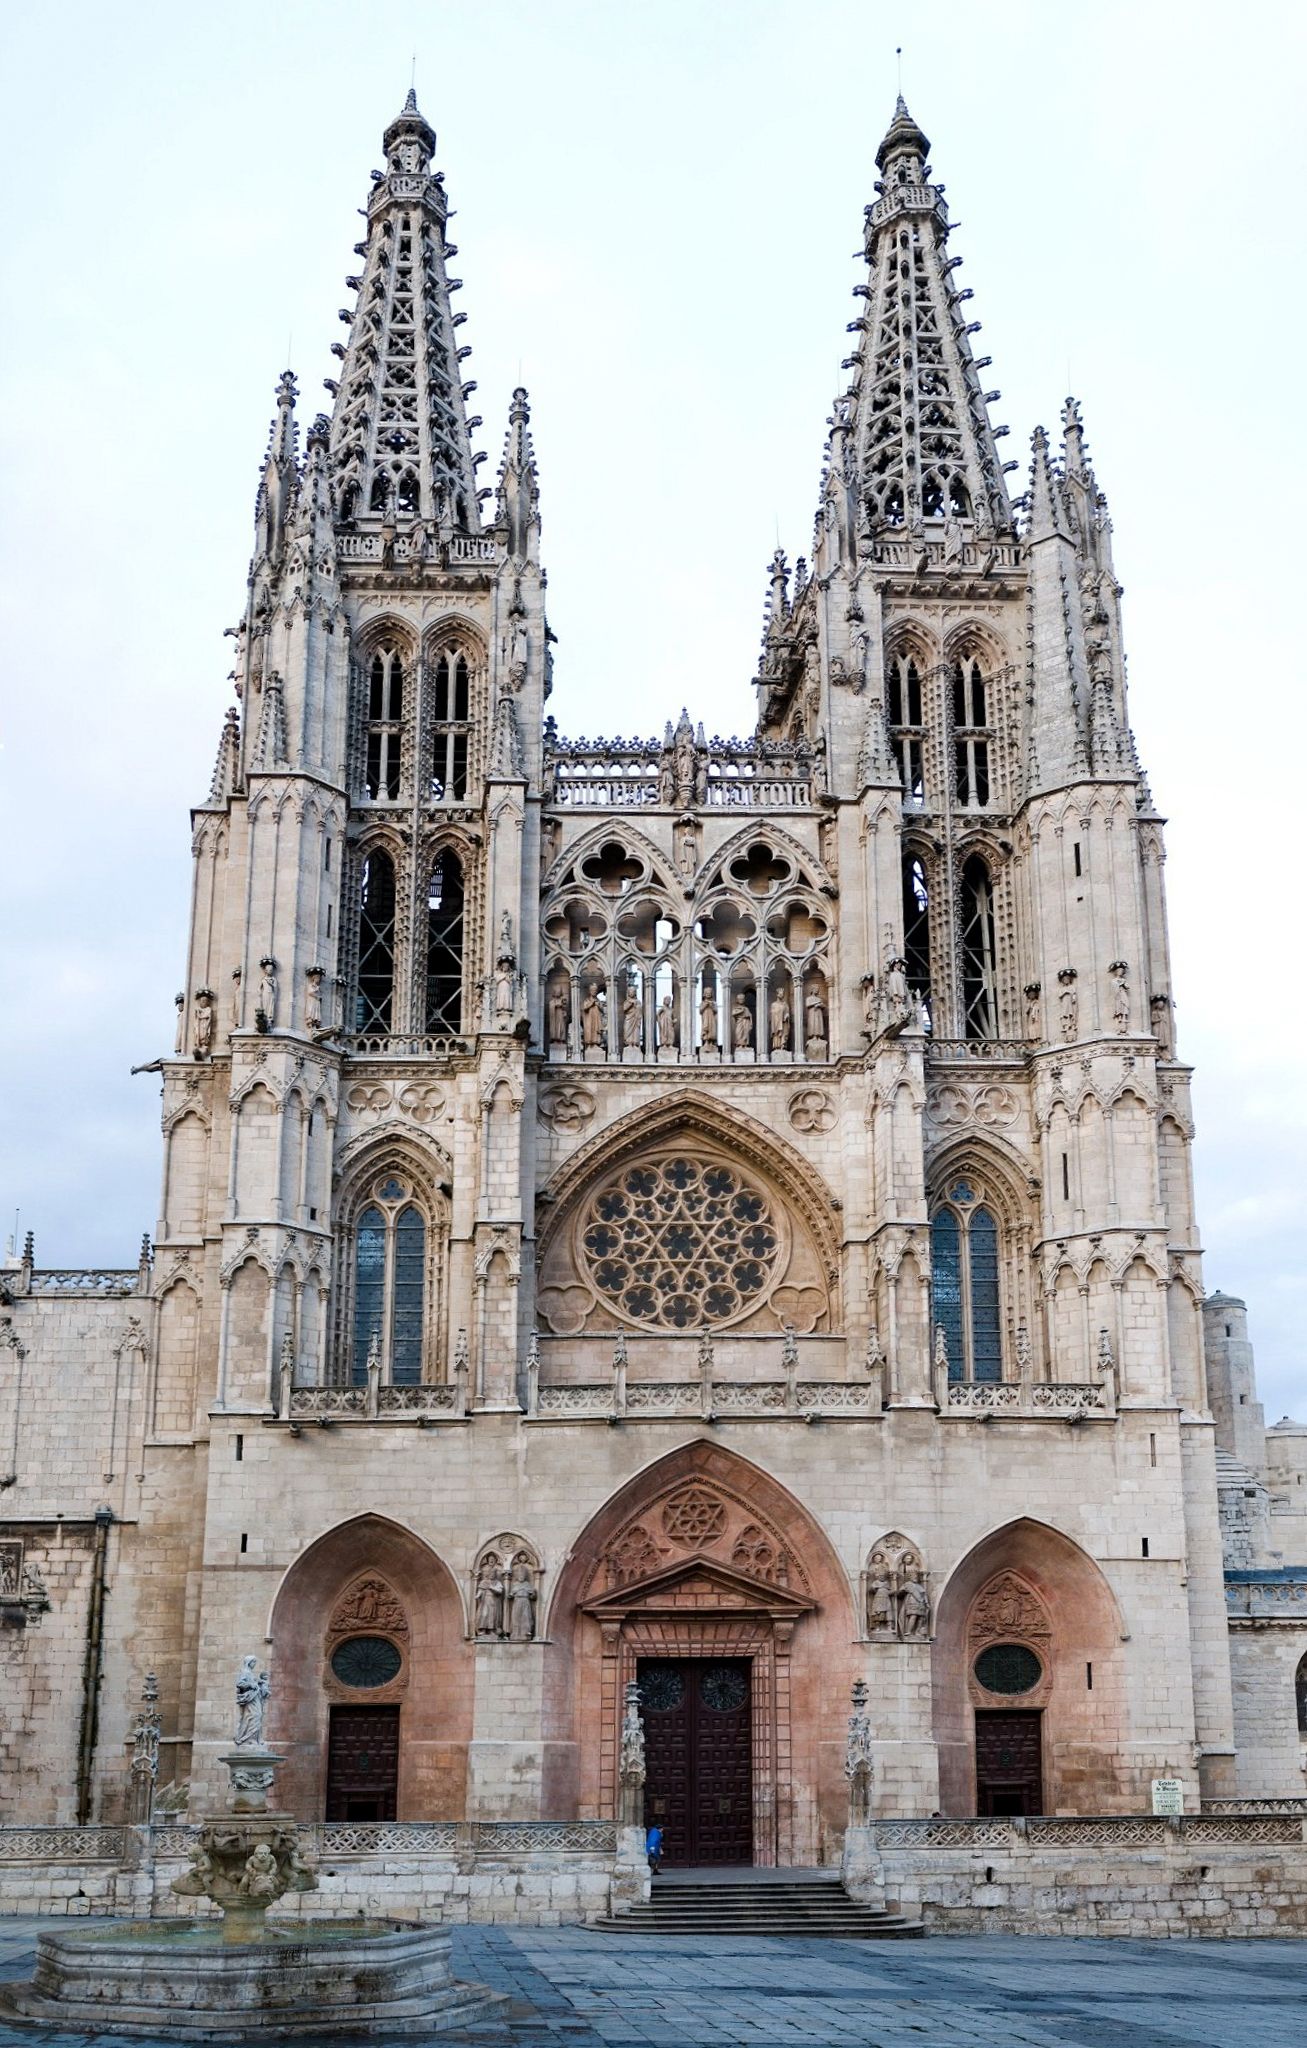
710	1213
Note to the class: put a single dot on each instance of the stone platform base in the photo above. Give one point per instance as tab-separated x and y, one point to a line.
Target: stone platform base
178	1980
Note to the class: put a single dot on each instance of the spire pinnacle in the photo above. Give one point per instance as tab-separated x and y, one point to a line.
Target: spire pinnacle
914	441
518	494
400	446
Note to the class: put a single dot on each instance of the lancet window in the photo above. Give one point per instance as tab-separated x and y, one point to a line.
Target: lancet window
744	979
964	1283
916	928
450	725
385	721
971	732
979	992
904	709
374	1006
1300	1684
388	1275
444	953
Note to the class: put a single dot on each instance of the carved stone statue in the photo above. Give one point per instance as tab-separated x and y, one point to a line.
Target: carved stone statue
559	1012
1120	996
313	999
261	1879
898	1602
665	1023
632	1021
914	1601
870	1006
179	1039
741	1025
521	1603
251	1704
1160	1010
266	1013
236	979
779	1021
1068	1004
631	1762
490	1590
880	1596
203	1023
898	1003
858	1758
814	1013
707	1017
592	1018
1034	1010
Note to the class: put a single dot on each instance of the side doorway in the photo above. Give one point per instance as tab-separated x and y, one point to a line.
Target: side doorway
698	1714
1009	1769
363	1763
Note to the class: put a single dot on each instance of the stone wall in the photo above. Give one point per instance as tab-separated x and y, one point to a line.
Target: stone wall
1199	1874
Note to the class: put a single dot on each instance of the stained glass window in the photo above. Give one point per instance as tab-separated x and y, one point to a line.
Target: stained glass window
390	1268
964	1283
406	1320
678	1243
1008	1668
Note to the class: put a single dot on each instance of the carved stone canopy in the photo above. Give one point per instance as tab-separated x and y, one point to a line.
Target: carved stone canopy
699	1583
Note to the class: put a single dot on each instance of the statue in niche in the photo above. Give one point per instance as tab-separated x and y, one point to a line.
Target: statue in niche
687	850
236	979
898	1002
814	1012
708	1018
1034	1010
559	1012
1160	1009
870	1006
1068	1004
880	1596
914	1601
313	999
779	1021
741	1025
898	1601
490	1592
521	1602
265	1015
683	763
665	1023
203	1023
632	1022
180	1039
251	1704
518	652
592	1018
1120	995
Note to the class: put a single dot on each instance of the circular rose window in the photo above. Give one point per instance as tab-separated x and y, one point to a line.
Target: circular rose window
662	1687
679	1243
1008	1668
366	1661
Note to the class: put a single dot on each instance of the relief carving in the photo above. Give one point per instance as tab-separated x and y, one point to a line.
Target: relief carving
506	1591
368	1605
1007	1607
897	1602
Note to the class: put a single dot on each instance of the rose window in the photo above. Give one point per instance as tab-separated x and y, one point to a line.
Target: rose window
677	1244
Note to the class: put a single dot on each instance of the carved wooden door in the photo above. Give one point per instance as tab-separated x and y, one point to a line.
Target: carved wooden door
699	1758
1009	1773
362	1763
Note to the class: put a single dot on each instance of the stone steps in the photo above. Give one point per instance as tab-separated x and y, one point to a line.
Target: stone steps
818	1908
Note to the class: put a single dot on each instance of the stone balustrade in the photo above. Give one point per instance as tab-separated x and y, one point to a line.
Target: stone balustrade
707	1398
1029	1400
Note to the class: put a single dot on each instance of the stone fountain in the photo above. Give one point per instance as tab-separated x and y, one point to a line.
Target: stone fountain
193	1980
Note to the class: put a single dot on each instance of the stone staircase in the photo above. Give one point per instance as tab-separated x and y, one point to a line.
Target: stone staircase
814	1906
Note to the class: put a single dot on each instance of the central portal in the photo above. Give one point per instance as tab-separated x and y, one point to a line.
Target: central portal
699	1757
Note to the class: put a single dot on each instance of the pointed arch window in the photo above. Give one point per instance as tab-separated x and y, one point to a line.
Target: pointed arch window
971	732
390	1265
903	698
375	1003
385	721
1300	1688
964	1283
916	928
451	725
445	915
979	991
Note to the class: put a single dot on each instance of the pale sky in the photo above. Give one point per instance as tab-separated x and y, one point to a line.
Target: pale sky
657	204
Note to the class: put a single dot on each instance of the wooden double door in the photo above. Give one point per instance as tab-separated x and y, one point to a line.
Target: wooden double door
698	1715
1009	1767
363	1763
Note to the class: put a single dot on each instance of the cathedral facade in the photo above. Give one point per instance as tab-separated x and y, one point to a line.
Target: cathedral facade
705	1212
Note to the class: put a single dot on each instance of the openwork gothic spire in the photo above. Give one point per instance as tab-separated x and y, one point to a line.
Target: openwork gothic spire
400	447
913	434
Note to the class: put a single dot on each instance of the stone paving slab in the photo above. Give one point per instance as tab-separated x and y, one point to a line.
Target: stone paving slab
573	1986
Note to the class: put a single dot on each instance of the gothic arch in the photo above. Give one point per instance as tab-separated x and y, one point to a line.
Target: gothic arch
435	1724
996	1163
1082	1695
454	630
742	1568
811	871
421	1174
977	636
617	828
916	637
381	627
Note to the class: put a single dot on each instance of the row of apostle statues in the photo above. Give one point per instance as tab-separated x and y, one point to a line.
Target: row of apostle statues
740	1024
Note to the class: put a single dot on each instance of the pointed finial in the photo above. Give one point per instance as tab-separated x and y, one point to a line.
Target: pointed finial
903	137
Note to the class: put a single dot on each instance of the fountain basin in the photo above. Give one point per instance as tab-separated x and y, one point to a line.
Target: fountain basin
181	1980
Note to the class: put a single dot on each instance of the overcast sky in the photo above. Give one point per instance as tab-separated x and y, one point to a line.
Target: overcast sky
657	204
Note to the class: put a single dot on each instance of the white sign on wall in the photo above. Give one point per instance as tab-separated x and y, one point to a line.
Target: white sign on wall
1168	1795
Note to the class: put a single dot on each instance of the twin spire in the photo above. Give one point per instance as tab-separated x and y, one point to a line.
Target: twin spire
911	439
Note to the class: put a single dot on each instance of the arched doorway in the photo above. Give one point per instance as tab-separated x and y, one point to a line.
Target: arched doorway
706	1581
372	1701
1028	1680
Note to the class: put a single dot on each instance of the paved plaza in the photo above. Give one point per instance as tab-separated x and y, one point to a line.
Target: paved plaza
567	1985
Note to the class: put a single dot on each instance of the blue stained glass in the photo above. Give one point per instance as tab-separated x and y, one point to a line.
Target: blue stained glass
369	1287
946	1287
406	1327
986	1344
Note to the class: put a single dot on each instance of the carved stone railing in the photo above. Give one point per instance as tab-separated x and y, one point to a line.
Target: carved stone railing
1270	1594
62	1845
376	1403
372	547
511	1838
99	1280
730	774
331	1838
971	1050
606	1401
402	1045
1105	1831
1290	1804
1029	1400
